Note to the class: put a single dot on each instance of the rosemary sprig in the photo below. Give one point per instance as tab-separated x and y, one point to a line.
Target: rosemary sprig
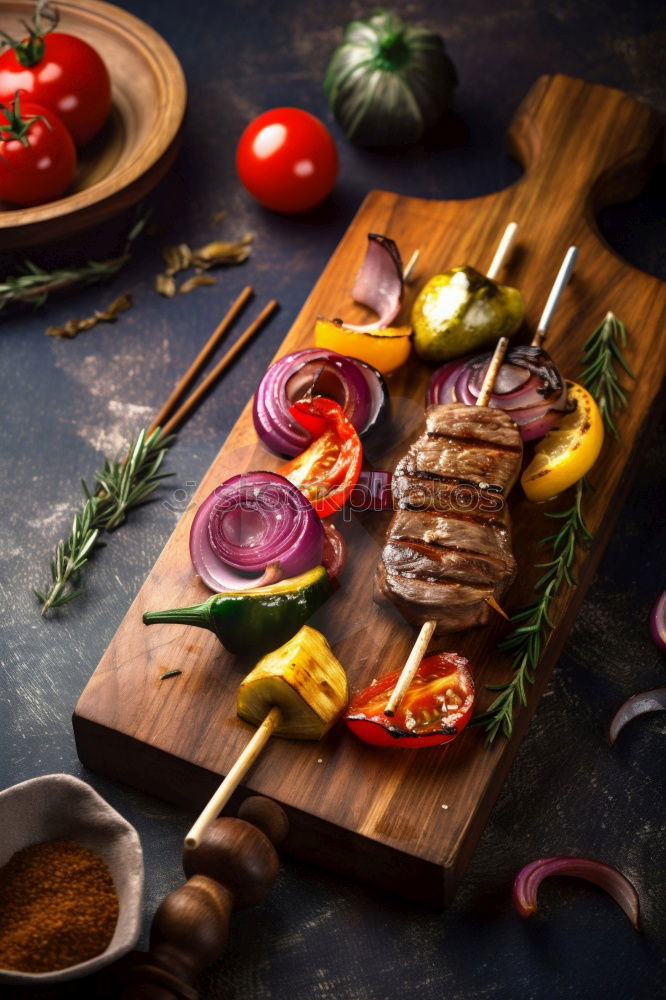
118	486
601	353
33	284
533	623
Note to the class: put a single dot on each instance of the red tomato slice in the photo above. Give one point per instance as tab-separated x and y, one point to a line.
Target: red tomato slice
437	707
328	470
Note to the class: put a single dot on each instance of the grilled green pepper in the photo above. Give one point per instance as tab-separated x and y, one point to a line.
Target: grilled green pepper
253	622
462	310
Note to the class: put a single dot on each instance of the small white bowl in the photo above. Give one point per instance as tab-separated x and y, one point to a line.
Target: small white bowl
59	806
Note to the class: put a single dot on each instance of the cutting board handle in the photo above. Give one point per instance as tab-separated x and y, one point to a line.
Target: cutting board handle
582	142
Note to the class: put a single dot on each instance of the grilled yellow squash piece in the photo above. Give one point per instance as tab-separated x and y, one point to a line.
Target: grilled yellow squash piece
304	680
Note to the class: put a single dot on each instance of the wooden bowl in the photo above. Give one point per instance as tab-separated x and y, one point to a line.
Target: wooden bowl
139	141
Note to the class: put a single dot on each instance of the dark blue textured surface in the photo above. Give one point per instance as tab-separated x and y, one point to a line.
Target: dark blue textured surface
64	403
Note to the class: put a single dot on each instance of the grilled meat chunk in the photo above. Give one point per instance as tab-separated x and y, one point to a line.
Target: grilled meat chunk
448	544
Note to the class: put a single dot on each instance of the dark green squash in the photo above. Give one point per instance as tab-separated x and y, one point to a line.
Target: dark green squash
388	81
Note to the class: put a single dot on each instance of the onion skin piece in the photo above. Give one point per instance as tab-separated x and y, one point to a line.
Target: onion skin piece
529	878
638	704
379	283
658	622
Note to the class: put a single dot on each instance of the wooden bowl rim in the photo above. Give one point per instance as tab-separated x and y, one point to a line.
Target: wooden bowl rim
167	70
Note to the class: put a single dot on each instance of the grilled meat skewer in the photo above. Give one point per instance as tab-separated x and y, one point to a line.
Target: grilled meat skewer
448	545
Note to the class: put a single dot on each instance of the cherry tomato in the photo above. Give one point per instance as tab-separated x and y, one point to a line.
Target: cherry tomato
437	706
287	160
37	155
68	76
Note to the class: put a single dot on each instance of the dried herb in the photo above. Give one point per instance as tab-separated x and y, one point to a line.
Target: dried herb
170	673
181	258
602	351
74	326
215	254
165	284
118	486
196	281
533	623
33	284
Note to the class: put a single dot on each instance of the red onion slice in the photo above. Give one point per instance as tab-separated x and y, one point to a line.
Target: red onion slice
335	552
638	704
528	880
528	387
253	530
358	388
372	491
658	622
379	283
441	387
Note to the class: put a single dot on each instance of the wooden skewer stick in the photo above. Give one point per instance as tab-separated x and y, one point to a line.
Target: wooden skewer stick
491	374
219	368
561	282
505	245
420	647
202	358
233	779
411	264
411	666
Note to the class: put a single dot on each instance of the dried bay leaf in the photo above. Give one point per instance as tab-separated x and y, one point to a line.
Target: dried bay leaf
177	258
222	252
165	285
196	281
74	326
182	257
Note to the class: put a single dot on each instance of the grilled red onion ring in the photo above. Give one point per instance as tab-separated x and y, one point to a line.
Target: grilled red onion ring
528	386
358	387
253	530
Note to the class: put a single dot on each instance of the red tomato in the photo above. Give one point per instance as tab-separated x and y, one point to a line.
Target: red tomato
69	77
438	705
328	470
287	160
37	157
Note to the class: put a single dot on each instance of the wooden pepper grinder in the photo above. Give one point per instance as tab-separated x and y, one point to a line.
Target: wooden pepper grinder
234	866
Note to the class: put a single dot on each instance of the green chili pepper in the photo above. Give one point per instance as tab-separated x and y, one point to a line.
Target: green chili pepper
253	622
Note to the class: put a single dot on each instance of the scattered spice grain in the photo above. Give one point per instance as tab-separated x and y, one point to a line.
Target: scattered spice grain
58	907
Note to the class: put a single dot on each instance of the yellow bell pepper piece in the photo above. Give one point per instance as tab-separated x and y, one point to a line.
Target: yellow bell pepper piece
385	350
567	451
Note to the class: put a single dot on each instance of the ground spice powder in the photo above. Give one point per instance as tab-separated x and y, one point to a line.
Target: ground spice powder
58	907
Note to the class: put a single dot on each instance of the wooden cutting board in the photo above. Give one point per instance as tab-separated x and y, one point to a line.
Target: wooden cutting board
404	820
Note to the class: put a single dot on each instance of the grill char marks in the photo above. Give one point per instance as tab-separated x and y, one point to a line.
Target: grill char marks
448	544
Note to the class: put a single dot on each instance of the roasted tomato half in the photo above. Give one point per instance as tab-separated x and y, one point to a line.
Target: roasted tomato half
437	706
